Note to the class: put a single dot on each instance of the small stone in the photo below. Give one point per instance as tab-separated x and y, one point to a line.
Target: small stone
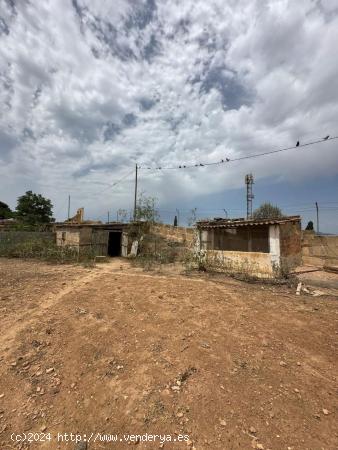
282	363
43	428
253	430
2	395
175	388
325	412
179	415
81	445
72	385
223	423
178	382
260	446
50	370
297	390
38	373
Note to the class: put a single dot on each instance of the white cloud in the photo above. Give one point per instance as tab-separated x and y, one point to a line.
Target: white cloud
89	87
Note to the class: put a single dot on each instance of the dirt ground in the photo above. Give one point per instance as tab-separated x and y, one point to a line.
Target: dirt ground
113	350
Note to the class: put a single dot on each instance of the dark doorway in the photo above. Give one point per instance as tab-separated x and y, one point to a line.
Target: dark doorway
114	243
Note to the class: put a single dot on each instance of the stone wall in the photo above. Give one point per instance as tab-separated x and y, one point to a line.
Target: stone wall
166	242
179	234
247	263
68	237
290	243
318	250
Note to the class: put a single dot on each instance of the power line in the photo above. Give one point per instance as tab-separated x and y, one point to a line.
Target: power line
115	183
240	158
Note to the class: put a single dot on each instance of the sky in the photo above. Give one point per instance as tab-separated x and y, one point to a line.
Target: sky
90	88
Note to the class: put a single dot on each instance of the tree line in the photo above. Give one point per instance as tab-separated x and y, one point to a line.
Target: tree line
32	210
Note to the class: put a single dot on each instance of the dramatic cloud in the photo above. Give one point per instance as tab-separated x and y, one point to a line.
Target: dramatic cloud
89	88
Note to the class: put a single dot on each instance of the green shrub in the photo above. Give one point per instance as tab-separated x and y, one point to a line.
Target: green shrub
45	250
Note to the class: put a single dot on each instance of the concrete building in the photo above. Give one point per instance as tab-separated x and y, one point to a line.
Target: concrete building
258	246
104	239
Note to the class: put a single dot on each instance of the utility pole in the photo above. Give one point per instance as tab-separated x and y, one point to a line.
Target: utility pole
108	216
68	207
317	217
135	198
249	180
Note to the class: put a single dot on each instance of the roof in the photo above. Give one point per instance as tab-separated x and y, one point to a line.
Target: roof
234	223
105	226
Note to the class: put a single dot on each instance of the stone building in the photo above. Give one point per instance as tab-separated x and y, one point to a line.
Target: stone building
111	239
259	246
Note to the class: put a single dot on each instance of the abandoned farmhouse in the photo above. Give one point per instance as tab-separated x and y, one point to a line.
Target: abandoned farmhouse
103	239
261	246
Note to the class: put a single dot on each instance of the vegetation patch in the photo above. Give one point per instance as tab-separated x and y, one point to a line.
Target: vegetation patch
36	246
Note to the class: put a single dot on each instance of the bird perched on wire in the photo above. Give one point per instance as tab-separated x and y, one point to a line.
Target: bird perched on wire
297	145
227	159
326	137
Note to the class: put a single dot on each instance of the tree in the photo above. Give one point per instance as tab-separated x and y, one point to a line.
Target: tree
309	226
267	211
34	209
146	210
5	211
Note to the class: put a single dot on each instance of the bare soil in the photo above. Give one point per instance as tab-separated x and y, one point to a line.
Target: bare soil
115	350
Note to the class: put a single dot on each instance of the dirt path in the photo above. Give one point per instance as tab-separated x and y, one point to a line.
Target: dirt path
114	351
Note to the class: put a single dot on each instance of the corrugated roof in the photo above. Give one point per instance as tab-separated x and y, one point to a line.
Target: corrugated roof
234	223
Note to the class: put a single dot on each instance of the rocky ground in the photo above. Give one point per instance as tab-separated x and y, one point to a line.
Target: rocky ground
113	350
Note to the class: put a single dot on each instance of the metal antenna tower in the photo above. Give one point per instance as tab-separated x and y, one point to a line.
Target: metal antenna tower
249	180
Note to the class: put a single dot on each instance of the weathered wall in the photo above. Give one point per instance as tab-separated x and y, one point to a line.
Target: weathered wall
290	243
253	263
179	234
23	236
319	250
167	242
72	237
86	236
